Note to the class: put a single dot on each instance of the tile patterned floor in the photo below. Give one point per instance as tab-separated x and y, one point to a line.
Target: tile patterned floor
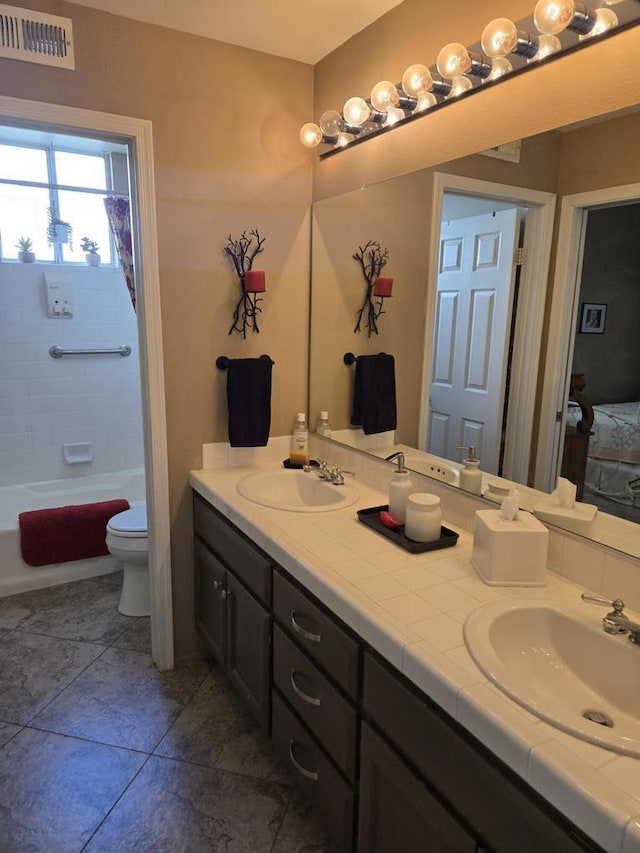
101	753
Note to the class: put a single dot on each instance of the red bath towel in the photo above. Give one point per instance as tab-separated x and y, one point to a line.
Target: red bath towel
66	533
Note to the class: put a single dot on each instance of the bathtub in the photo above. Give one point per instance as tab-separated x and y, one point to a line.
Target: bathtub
15	575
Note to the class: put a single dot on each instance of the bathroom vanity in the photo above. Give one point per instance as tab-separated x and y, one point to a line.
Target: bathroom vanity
390	748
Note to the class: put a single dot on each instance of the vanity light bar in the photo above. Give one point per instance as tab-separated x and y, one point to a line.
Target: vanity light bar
505	48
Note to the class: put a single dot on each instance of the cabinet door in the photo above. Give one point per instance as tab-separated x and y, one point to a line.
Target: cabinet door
248	649
397	811
210	605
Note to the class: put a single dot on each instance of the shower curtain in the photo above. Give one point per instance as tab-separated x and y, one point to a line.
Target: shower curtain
118	214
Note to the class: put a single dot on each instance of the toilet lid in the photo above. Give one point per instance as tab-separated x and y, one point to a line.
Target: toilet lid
131	522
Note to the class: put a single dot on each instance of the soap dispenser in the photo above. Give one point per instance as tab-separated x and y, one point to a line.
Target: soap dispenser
400	488
471	475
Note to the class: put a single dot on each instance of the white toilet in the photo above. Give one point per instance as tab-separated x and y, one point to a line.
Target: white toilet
128	541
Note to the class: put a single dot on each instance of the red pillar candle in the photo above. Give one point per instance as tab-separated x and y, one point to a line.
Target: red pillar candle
254	281
382	286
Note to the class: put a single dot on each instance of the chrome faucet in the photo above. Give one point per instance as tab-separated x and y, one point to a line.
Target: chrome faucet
616	622
333	475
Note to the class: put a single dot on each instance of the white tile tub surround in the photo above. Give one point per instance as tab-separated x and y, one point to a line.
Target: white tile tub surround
411	608
48	402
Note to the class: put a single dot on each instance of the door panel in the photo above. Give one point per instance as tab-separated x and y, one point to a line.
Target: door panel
475	298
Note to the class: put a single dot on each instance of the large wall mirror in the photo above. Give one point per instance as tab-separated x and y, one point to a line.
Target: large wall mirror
571	199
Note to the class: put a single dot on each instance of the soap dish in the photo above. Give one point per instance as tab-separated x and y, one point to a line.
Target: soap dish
371	517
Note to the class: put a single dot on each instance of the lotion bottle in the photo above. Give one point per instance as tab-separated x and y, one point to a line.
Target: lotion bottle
400	488
471	475
324	427
300	433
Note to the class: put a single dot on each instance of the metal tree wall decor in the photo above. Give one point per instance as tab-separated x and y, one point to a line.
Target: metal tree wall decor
372	258
243	252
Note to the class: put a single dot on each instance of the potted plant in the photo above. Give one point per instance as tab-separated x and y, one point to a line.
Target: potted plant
90	248
26	255
58	231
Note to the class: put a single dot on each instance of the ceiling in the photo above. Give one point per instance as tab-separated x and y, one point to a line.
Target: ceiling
306	30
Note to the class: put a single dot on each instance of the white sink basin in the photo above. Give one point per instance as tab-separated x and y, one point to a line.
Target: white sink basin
296	491
559	664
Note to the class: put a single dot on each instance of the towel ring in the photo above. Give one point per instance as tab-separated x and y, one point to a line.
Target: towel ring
349	358
222	361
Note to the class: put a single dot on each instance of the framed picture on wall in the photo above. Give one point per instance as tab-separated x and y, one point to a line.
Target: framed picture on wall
592	318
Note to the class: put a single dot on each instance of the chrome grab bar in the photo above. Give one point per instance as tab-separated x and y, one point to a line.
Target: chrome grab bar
58	352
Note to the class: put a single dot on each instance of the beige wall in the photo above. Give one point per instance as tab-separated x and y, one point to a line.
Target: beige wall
227	158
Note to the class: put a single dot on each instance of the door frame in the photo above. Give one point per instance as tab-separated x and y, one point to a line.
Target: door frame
137	135
565	300
529	318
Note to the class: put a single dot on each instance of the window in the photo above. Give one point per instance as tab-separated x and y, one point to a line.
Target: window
37	174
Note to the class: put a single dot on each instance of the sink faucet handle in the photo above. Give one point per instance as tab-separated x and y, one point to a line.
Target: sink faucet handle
617	603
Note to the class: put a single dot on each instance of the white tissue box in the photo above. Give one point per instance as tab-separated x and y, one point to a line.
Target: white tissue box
510	553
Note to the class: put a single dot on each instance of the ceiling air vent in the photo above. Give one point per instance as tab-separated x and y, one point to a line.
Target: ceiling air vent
35	37
509	151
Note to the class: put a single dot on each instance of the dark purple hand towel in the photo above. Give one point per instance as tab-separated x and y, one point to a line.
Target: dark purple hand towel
249	401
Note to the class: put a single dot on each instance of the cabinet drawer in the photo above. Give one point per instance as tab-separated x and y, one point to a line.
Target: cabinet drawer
321	706
238	554
505	814
322	784
317	633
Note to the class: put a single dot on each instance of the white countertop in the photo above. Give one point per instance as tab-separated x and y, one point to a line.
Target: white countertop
411	609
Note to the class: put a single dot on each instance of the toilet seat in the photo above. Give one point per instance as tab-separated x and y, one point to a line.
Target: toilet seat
130	524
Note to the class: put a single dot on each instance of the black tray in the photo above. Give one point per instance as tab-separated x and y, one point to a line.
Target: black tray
287	463
371	517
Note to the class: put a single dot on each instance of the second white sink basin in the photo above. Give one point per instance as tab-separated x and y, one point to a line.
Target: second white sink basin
559	664
296	491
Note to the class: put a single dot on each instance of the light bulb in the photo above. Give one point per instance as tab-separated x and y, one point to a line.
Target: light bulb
356	111
553	16
606	19
425	100
499	38
343	139
499	67
384	95
416	81
459	85
331	123
310	135
548	45
394	114
453	60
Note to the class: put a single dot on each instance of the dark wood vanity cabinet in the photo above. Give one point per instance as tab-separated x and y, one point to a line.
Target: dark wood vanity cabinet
316	680
384	767
412	738
397	810
233	606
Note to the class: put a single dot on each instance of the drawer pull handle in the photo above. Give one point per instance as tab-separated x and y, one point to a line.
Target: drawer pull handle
315	638
308	774
310	700
216	584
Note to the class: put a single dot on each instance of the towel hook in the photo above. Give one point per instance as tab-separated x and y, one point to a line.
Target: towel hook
222	361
